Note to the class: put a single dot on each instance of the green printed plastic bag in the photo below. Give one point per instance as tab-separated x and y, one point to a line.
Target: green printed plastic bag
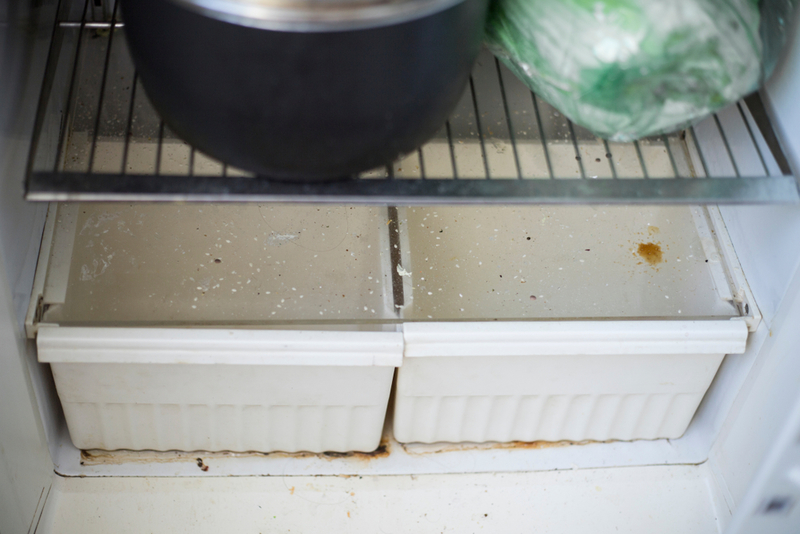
627	69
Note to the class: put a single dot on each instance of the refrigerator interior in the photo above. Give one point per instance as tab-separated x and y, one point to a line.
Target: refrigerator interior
706	473
318	268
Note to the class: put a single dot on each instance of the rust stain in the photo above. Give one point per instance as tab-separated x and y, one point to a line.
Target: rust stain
381	452
348	514
439	448
532	444
118	457
650	252
291	491
101	457
652	230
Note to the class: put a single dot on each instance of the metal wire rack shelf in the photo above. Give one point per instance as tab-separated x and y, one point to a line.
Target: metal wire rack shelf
97	137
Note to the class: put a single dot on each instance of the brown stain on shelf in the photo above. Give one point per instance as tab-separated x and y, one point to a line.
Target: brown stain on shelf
423	449
381	452
650	252
118	457
533	444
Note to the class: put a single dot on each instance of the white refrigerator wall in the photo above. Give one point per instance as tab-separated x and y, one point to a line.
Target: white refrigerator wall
781	96
25	467
754	432
26	471
767	242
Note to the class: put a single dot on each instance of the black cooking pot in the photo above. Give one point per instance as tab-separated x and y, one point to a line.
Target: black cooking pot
304	90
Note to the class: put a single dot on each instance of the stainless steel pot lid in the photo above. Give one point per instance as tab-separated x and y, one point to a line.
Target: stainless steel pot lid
316	15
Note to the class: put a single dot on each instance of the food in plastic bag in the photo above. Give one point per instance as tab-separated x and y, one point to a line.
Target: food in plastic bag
627	69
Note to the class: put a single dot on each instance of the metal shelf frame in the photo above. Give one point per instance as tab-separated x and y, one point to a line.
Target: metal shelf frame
96	137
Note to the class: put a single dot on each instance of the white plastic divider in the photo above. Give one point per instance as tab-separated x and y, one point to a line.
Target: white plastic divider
554	381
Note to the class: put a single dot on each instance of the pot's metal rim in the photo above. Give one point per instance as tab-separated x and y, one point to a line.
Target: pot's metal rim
316	15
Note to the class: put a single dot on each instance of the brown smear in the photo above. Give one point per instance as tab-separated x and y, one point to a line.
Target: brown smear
533	444
653	230
650	252
438	448
118	457
102	457
381	452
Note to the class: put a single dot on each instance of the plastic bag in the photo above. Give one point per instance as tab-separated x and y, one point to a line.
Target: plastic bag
627	69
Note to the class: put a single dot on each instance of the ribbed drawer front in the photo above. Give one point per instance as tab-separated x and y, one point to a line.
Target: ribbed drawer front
543	417
222	390
220	427
557	381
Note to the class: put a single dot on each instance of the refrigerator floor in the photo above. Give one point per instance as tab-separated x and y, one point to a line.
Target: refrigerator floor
652	499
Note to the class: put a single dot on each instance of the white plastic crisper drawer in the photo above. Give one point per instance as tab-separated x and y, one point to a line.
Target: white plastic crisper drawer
557	381
237	390
569	323
218	327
